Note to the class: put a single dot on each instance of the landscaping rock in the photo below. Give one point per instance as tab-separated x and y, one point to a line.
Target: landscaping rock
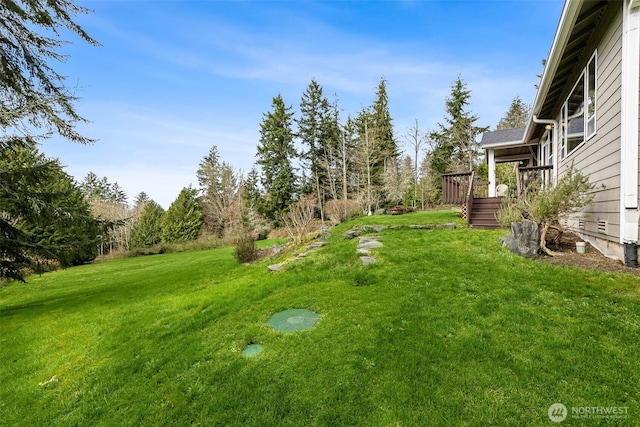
380	211
423	226
372	244
366	260
447	225
365	239
351	234
524	239
362	251
316	245
373	228
276	267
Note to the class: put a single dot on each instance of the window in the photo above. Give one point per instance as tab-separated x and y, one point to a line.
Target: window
579	111
591	97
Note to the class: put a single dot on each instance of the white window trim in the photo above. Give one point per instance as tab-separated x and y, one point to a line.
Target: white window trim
564	118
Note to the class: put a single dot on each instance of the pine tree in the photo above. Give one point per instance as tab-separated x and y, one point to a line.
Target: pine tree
183	220
382	122
274	156
147	230
220	185
517	115
58	224
318	133
34	103
455	145
379	123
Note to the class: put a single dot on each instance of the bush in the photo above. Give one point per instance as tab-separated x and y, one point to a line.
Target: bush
339	211
548	205
245	249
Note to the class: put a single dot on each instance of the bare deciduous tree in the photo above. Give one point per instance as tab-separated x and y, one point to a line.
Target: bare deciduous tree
297	221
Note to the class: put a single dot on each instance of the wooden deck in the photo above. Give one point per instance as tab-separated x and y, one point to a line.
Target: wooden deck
465	189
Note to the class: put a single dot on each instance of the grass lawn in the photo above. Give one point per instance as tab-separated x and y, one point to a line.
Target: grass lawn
446	329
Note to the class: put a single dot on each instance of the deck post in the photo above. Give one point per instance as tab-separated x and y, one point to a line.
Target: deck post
491	159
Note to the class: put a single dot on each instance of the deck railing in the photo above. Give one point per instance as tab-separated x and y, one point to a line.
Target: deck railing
455	187
533	175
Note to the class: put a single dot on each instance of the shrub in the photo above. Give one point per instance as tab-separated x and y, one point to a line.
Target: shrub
339	211
245	249
547	206
299	219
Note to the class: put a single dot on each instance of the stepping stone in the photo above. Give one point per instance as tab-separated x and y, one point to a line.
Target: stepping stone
366	239
372	244
276	267
366	260
316	245
373	228
363	251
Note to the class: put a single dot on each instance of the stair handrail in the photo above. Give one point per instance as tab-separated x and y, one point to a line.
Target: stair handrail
470	197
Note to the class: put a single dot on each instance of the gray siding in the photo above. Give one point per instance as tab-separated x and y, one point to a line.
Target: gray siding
599	157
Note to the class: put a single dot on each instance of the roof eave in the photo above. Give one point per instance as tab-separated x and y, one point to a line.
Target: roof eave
570	12
506	144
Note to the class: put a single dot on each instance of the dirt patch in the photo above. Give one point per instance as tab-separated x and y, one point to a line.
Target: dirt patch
591	260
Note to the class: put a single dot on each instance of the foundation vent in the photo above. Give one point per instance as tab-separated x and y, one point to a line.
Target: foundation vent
603	226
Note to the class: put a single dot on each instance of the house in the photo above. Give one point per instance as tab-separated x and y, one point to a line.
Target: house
586	114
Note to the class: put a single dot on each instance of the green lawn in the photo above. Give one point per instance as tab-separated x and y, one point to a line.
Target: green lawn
446	329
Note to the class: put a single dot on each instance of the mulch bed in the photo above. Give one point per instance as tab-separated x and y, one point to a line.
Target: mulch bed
591	260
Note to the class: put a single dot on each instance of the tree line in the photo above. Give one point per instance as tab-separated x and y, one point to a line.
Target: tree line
333	166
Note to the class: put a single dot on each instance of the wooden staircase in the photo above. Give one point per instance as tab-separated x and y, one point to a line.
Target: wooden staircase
483	214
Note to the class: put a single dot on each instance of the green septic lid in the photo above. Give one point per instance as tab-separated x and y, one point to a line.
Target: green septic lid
252	350
295	319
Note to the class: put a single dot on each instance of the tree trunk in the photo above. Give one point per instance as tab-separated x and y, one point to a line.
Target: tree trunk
543	240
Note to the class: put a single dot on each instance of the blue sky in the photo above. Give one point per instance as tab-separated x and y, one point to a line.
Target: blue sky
173	78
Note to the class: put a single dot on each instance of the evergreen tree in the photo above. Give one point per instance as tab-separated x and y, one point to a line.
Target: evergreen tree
34	103
379	130
517	115
318	133
455	145
183	220
274	156
141	200
381	121
51	219
220	185
147	230
251	192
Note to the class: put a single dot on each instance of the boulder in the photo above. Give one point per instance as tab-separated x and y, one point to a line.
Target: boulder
351	234
524	239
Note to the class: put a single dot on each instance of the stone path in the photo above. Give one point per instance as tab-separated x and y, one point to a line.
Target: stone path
365	243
